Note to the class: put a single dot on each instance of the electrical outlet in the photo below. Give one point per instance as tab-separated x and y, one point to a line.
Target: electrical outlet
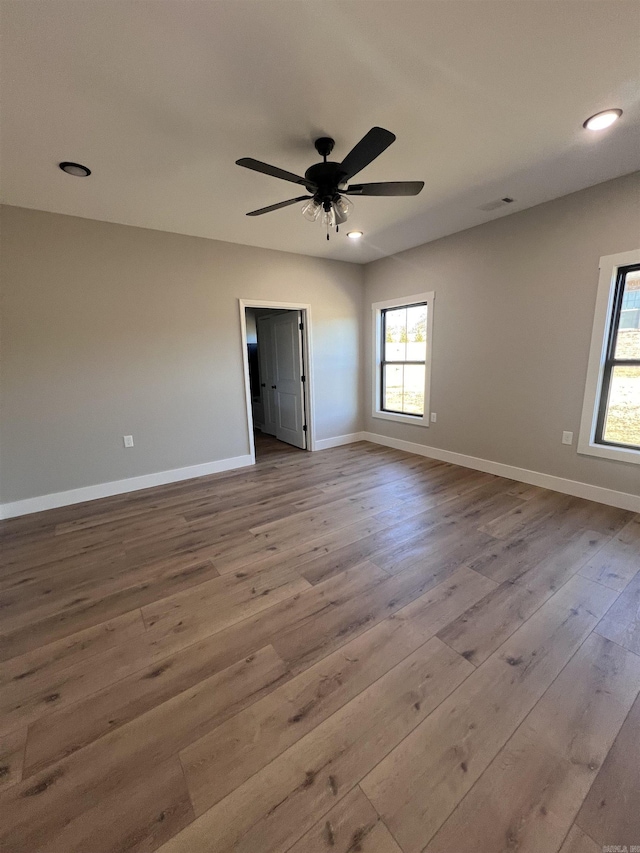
567	437
434	417
128	440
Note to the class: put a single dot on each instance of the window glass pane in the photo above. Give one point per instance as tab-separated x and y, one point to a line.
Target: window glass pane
393	385
395	341
417	333
622	424
404	388
413	397
404	361
628	341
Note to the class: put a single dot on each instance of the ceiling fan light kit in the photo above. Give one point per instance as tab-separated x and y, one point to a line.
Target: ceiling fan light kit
328	182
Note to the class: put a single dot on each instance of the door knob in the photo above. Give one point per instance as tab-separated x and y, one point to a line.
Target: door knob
263	385
273	386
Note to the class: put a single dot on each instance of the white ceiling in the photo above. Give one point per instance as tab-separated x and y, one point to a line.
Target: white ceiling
160	98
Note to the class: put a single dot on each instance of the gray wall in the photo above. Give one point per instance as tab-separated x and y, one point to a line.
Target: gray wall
512	328
110	330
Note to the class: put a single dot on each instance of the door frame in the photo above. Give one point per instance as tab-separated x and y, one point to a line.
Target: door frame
307	354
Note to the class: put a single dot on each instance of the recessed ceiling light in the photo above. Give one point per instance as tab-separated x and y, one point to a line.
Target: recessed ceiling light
601	120
75	169
354	235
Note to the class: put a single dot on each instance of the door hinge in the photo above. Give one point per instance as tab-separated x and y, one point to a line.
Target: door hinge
303	379
304	428
301	327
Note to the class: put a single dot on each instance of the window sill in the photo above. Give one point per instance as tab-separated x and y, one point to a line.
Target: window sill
421	421
618	454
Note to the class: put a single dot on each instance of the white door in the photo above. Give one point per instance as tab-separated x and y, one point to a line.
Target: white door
287	376
267	380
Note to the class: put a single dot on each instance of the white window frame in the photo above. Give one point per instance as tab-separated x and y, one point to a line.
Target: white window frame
376	309
609	266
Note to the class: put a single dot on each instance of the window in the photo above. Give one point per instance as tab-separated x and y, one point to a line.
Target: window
611	416
402	334
404	356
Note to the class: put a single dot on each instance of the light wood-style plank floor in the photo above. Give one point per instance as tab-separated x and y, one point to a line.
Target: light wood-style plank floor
353	650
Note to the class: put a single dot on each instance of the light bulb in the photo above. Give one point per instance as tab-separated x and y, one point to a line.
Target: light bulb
343	208
311	209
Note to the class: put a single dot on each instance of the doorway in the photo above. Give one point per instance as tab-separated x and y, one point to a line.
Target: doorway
278	380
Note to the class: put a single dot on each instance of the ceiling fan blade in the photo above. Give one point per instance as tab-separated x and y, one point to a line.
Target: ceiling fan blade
370	146
274	171
386	188
278	206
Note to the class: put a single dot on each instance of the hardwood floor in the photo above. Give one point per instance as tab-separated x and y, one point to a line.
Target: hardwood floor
353	650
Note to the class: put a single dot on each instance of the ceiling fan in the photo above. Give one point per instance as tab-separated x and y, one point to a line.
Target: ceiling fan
328	182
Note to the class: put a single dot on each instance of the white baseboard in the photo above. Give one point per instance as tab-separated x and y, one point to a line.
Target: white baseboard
146	481
120	487
622	500
339	440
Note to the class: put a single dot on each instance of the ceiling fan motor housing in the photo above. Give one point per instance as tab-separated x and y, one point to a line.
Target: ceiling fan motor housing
327	177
